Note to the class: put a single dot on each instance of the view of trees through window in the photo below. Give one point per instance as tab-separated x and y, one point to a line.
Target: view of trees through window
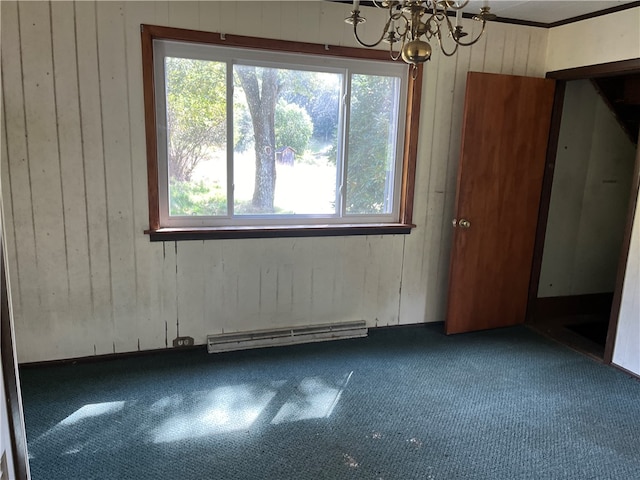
285	157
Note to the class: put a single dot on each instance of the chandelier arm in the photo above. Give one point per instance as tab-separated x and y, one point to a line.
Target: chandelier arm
396	56
432	20
400	16
449	26
369	45
475	40
457	40
414	71
442	49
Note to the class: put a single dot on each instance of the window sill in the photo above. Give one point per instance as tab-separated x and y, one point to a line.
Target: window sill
213	233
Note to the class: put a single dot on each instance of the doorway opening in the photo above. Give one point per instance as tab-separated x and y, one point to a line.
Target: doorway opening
585	221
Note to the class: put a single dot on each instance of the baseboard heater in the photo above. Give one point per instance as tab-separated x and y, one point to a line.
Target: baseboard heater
226	342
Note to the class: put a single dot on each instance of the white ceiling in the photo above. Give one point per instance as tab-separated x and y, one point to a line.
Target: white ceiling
544	11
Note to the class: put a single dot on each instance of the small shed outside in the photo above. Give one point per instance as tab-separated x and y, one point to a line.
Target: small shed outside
285	155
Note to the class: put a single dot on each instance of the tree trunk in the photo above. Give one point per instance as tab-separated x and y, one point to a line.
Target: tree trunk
261	98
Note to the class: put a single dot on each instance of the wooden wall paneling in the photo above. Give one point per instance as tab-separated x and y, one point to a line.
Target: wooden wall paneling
340	302
459	83
210	18
382	280
323	280
434	200
413	282
190	283
11	252
162	12
389	250
302	254
414	275
249	19
229	253
391	284
169	292
230	17
18	166
284	282
148	255
183	14
335	31
494	53
462	66
268	274
65	75
271	21
413	285
289	16
509	52
522	40
537	55
405	275
353	260
370	284
98	284
117	159
248	294
44	171
270	256
438	267
213	283
478	51
308	23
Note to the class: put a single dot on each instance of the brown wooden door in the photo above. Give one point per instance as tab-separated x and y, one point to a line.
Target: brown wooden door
504	143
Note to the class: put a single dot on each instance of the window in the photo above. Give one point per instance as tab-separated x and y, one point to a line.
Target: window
268	141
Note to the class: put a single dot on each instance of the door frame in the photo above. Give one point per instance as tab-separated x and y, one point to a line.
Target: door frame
611	69
9	375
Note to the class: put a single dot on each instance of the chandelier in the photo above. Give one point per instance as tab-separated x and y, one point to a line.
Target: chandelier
410	20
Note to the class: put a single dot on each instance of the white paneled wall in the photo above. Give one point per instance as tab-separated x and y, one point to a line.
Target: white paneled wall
626	352
602	39
85	278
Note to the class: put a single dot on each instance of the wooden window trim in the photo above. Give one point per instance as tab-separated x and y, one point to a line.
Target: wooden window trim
156	232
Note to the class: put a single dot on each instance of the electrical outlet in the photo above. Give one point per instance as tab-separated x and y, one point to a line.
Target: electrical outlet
183	342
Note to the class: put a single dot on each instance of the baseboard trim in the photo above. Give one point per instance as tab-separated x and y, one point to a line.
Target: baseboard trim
624	370
109	356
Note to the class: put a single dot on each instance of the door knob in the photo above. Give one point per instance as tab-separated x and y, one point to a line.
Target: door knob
462	223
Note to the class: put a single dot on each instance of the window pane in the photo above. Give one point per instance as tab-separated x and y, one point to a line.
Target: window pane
285	130
372	144
196	136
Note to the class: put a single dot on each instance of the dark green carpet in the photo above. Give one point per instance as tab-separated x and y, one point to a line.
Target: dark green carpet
405	403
